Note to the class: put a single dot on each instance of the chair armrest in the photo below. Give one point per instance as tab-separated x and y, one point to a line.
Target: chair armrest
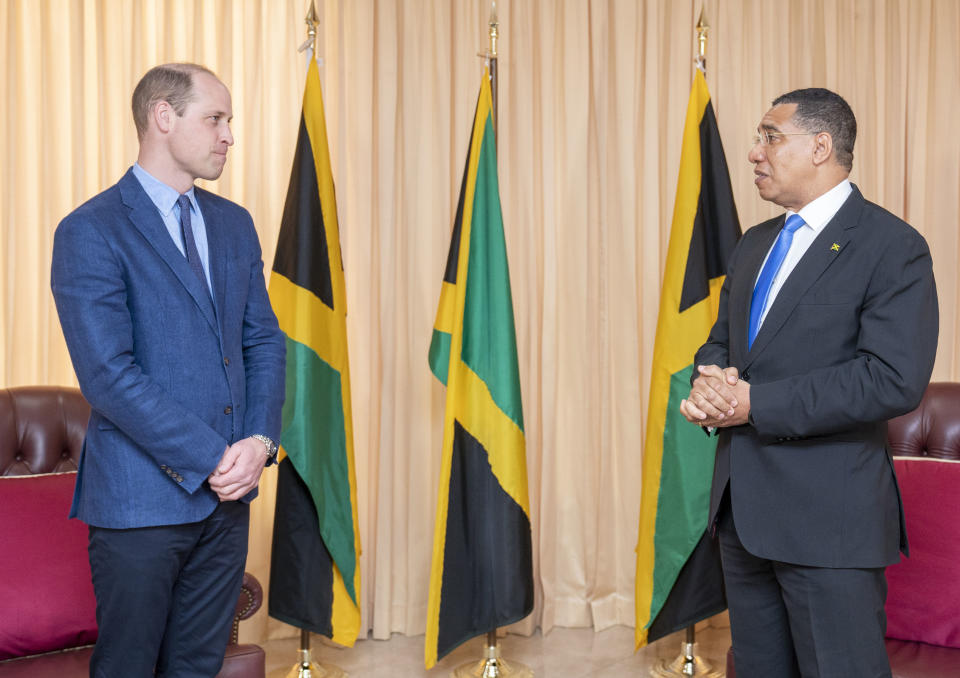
249	601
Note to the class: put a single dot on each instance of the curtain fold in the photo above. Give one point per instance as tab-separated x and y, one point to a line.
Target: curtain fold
592	96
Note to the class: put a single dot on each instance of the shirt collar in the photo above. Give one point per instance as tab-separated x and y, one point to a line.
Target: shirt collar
818	213
160	194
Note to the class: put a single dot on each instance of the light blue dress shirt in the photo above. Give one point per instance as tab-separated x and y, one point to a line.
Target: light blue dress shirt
165	199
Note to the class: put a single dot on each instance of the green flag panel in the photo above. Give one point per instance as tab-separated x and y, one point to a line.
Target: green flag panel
313	437
489	335
686	473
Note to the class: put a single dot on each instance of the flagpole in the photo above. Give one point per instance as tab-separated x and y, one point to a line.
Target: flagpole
305	666
492	665
492	58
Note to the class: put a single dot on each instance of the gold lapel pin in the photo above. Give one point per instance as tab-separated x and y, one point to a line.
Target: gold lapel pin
835	247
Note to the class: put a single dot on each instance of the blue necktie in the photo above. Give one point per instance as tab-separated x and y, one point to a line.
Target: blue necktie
760	293
189	244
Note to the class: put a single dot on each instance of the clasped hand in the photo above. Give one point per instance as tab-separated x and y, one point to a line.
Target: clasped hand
239	469
718	398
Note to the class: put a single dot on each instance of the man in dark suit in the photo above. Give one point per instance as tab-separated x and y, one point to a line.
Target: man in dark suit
160	291
827	328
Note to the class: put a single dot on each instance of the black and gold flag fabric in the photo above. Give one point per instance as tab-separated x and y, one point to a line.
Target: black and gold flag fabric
315	568
482	573
679	580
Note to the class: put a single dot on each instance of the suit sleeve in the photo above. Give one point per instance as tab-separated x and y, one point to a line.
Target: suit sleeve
891	367
91	298
264	354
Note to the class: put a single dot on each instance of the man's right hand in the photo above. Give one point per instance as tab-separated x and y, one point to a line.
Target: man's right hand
711	398
239	469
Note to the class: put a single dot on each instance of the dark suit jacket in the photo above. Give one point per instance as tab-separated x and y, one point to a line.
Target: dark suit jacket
848	343
171	379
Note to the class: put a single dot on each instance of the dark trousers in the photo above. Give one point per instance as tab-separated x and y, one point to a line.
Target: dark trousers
789	620
166	595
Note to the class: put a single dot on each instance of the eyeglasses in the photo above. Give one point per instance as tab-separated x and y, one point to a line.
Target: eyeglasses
767	138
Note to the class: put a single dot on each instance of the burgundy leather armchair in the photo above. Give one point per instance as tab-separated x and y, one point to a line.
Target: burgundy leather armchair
41	436
921	642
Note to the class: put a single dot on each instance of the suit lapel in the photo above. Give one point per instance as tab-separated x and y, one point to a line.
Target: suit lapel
742	287
821	254
216	249
143	214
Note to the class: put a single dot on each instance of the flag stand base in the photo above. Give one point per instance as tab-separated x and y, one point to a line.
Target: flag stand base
687	663
492	665
307	668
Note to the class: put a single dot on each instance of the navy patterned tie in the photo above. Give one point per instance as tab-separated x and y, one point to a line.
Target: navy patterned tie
189	244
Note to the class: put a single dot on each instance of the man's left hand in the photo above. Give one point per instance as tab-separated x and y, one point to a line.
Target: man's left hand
741	412
711	396
239	470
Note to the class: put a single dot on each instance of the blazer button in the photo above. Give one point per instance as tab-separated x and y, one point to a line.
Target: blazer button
228	410
226	361
745	376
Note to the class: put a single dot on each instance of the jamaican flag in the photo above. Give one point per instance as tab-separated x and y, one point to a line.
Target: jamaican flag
315	573
679	580
482	574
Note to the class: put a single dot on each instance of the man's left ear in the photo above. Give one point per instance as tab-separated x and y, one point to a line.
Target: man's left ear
823	148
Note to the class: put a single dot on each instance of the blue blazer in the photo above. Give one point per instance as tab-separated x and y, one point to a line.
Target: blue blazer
848	343
172	378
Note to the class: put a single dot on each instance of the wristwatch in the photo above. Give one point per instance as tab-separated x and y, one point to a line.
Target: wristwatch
270	445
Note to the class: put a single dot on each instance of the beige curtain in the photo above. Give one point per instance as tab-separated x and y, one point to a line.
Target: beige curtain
592	102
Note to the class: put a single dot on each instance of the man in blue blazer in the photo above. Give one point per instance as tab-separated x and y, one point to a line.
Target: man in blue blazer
827	328
160	291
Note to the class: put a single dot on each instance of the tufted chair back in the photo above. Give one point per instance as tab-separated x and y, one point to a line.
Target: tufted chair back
41	429
933	429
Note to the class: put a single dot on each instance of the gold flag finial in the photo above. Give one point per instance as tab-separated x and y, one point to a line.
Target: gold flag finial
702	28
494	26
312	22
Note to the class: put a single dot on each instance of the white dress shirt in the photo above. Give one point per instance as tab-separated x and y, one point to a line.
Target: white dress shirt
816	215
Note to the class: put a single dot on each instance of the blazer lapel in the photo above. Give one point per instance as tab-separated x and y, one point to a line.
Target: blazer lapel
818	258
742	289
216	250
143	214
